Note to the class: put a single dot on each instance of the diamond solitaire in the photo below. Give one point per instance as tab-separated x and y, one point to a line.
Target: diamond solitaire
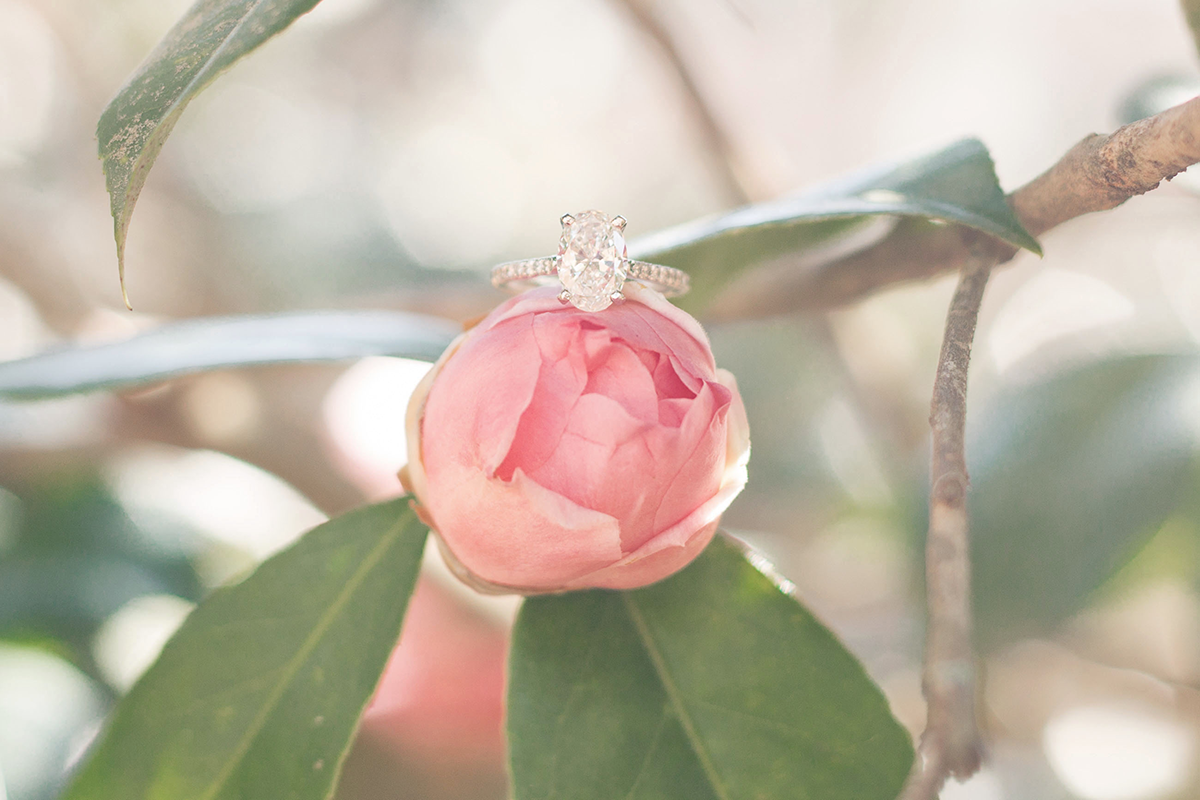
591	260
591	265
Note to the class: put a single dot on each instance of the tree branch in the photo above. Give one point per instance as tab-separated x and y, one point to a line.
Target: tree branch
951	744
1098	174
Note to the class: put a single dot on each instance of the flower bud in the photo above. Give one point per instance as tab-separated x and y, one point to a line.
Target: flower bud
555	449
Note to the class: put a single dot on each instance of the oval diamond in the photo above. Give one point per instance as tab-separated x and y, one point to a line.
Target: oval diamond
591	260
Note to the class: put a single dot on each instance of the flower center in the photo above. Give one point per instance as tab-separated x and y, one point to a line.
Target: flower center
591	260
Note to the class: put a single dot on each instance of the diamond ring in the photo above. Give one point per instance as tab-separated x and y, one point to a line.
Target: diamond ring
591	265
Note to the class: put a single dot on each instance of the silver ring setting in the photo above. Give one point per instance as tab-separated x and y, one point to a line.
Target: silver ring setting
591	265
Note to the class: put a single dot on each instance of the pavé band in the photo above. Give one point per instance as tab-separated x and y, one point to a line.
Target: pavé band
531	272
591	265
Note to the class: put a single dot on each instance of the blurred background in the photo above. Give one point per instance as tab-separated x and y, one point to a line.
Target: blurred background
384	153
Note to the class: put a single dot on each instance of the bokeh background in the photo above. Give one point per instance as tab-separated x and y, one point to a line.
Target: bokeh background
384	153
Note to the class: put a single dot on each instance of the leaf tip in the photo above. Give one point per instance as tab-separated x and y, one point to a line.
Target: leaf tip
121	272
1030	243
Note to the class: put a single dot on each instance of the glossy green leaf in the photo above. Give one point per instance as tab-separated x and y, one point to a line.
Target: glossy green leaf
259	693
219	342
1069	478
957	184
711	685
210	37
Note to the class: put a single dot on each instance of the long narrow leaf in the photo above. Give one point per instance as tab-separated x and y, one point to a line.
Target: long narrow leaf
210	37
957	184
219	342
259	693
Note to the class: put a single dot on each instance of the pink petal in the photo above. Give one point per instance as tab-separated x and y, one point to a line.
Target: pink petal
693	455
672	381
640	569
504	369
619	374
591	465
562	378
518	533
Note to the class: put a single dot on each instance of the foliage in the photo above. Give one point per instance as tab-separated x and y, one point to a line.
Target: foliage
715	683
217	343
207	41
260	691
1072	476
712	683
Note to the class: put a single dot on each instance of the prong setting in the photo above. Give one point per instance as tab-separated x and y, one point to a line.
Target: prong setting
592	265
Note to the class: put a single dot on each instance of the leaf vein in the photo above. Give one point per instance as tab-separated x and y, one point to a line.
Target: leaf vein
310	642
675	697
658	733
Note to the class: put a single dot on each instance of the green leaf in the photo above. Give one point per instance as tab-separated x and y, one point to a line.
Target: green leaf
957	184
1069	478
711	685
220	342
259	693
210	37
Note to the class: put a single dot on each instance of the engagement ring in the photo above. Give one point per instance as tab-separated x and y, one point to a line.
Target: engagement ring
591	265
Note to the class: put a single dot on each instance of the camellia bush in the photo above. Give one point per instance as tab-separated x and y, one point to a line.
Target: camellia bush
578	446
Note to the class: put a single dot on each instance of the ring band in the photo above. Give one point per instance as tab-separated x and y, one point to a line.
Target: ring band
531	272
591	265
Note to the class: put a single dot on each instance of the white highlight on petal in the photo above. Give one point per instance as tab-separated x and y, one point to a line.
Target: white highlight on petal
130	640
1052	305
1118	752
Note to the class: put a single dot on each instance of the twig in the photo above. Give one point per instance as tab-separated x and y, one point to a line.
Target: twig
951	744
725	158
1099	173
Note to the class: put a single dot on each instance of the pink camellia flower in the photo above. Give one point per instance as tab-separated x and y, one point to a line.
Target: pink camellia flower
555	449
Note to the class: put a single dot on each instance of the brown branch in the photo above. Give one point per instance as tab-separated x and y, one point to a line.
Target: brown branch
1098	174
951	744
725	158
